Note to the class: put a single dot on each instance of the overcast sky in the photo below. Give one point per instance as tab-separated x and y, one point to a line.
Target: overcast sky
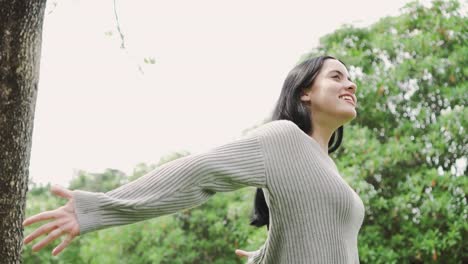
219	69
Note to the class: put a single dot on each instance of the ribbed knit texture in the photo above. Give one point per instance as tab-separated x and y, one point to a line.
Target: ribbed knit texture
315	216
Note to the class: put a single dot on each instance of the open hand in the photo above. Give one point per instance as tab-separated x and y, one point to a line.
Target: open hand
65	223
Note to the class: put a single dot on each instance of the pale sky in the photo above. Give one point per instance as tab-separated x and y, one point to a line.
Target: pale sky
219	69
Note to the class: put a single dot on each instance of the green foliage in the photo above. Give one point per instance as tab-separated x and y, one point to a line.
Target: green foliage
98	182
400	154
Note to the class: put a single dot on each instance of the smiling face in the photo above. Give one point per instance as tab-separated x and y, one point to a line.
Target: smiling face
325	99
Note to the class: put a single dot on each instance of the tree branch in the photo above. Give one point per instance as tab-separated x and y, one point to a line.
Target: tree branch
122	37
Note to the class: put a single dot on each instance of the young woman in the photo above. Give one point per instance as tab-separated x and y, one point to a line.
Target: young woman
312	214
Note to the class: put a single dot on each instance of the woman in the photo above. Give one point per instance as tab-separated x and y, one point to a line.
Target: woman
312	214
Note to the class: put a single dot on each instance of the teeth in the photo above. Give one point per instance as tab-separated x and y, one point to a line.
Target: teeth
346	97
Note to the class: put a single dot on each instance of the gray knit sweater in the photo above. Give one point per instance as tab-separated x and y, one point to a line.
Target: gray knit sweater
315	216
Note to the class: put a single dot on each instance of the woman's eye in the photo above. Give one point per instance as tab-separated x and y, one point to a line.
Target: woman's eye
336	76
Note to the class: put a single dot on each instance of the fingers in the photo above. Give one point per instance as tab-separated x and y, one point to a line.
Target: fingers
40	217
65	223
56	229
57	190
65	242
56	233
60	191
242	253
42	230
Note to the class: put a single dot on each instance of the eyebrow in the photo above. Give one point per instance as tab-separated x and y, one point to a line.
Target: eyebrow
340	73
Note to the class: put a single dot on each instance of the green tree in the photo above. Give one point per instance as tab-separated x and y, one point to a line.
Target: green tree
98	182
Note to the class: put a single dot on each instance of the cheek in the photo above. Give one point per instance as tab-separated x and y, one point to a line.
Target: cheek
324	103
328	96
325	95
326	100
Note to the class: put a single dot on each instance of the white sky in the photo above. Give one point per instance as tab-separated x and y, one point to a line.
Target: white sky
219	69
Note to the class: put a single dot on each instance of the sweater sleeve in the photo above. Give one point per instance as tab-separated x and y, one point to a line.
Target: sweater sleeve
180	184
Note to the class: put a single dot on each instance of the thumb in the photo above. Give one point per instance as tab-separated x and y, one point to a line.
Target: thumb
242	253
61	191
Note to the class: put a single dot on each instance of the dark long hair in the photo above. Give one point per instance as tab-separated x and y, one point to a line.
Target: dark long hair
290	107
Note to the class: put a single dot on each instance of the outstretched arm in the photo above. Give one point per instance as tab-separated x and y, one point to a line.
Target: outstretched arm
177	185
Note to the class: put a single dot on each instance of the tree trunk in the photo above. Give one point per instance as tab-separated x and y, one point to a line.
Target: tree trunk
20	50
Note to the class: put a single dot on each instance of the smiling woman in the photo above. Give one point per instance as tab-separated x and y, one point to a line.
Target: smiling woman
312	214
314	98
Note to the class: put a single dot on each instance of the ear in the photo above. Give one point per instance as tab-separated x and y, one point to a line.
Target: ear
305	96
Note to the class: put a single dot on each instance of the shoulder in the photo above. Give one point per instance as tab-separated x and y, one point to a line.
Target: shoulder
277	129
282	143
283	124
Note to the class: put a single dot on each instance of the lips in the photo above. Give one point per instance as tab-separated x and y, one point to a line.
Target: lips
347	99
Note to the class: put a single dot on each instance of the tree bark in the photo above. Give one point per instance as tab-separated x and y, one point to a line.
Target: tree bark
20	50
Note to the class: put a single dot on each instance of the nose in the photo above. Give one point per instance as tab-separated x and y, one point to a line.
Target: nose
351	86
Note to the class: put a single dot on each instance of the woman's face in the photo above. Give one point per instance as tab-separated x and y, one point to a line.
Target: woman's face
325	96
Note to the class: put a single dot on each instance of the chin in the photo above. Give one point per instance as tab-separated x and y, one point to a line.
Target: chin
347	116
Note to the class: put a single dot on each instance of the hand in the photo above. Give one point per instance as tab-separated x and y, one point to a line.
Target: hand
65	222
242	253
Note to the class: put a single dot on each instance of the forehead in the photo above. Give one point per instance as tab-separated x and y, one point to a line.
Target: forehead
331	65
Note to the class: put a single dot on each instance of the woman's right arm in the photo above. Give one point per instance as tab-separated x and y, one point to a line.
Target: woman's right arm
180	184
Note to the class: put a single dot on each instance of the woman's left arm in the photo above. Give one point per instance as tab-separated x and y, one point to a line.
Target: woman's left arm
253	257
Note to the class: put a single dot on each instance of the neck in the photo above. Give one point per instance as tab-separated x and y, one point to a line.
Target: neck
322	135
